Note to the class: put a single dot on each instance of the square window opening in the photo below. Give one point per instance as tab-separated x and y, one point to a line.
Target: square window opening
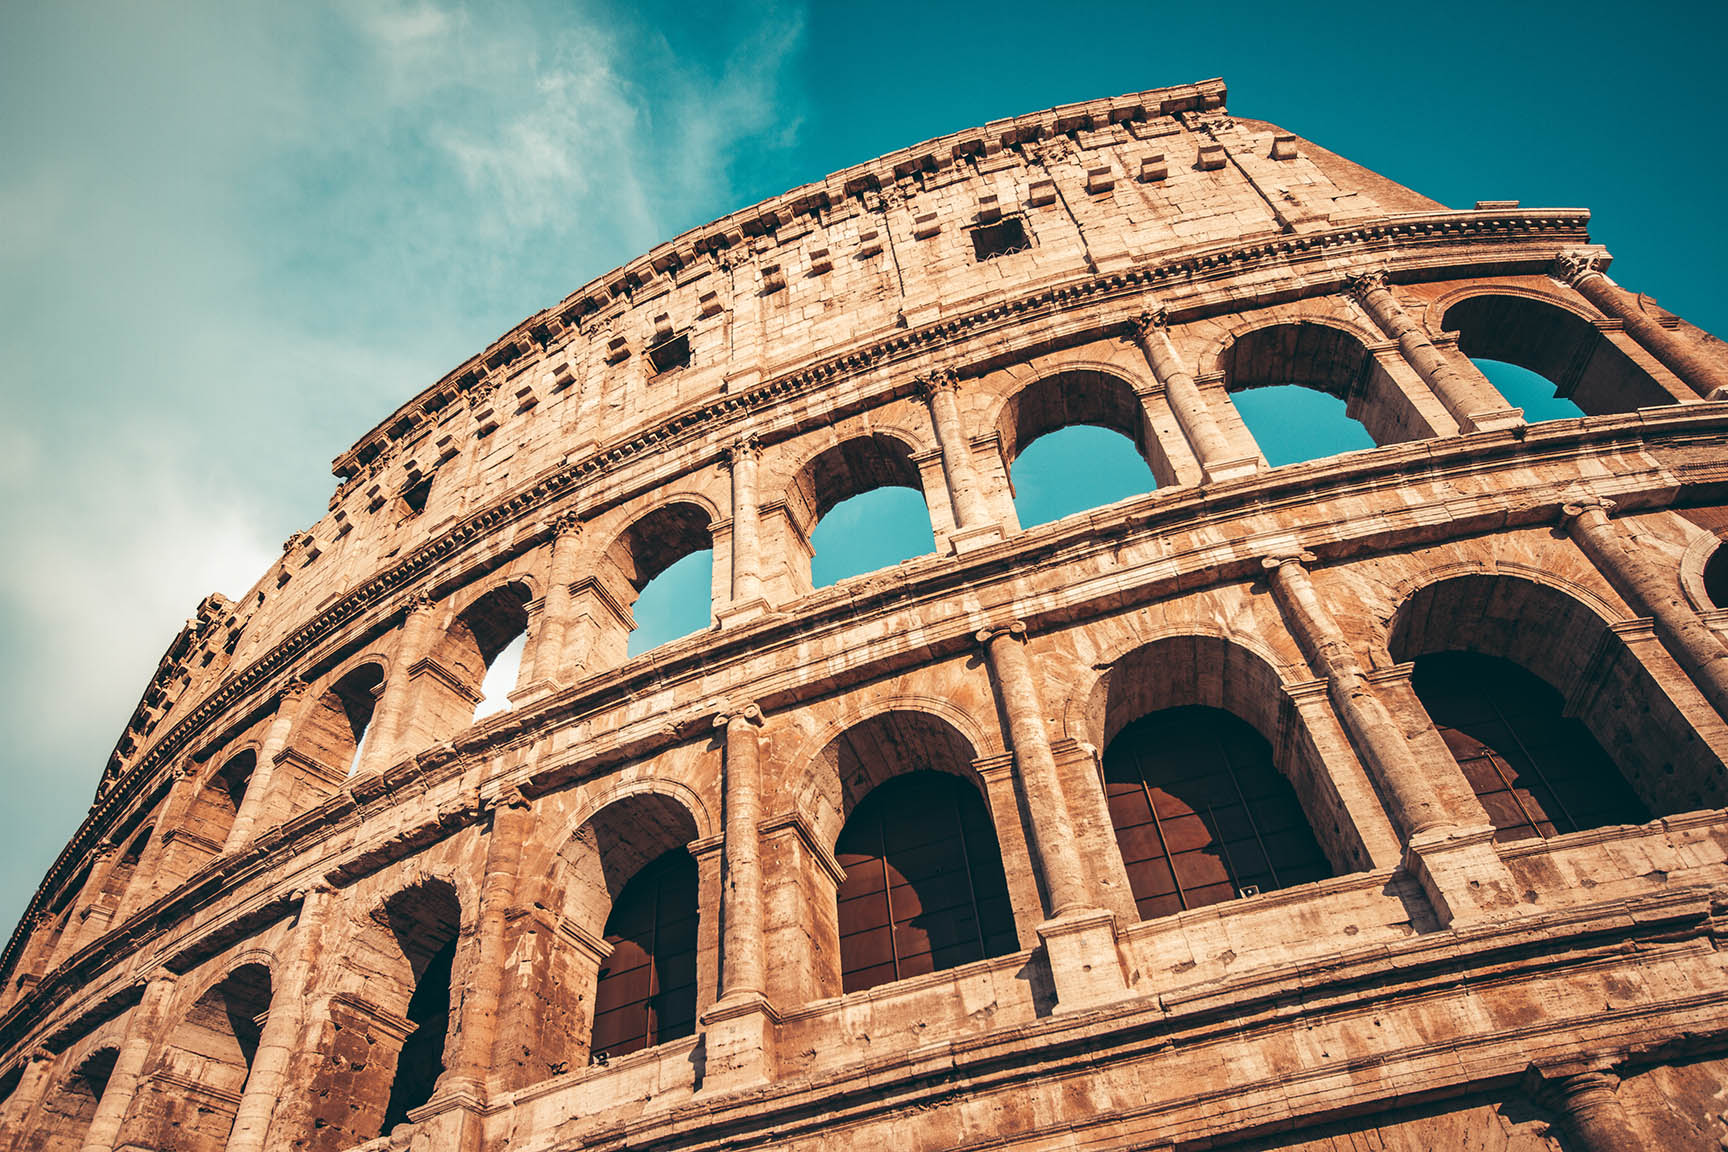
670	354
414	496
1006	236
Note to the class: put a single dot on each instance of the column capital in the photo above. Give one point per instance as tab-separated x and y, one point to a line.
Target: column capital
1577	265
748	712
1572	509
744	448
1363	283
1152	321
315	891
421	601
293	689
936	380
1273	561
103	850
1013	628
512	797
40	1056
566	524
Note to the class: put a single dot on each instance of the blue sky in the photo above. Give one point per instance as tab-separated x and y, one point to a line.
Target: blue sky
234	236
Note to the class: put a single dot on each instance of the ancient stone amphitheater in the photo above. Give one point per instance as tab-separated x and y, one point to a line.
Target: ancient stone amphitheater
1374	801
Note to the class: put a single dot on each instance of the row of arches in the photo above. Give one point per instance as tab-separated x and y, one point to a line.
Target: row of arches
1214	790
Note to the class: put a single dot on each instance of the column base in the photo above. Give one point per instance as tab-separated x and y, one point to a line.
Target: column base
1494	420
964	540
738	1035
1230	469
742	612
1085	962
1464	878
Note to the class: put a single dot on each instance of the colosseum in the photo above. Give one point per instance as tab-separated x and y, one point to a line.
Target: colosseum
1369	801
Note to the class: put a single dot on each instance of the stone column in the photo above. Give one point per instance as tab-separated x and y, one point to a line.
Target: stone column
384	733
141	1033
1416	807
258	788
549	663
472	1062
1651	592
1707	375
97	908
1589	1110
971	510
289	985
1187	401
739	1029
33	1085
741	895
1472	402
745	601
1079	939
1458	868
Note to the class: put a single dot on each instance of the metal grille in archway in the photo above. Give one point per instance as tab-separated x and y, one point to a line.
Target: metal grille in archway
1537	772
1201	814
924	886
646	994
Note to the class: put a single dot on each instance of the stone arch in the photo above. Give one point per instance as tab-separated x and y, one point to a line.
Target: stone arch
1552	338
1215	669
63	1118
1565	639
330	730
1701	571
651	542
1326	355
1078	393
636	831
842	466
396	1018
219	794
190	1096
488	622
820	799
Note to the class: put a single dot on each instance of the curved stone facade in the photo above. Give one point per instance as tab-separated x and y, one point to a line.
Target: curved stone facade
304	828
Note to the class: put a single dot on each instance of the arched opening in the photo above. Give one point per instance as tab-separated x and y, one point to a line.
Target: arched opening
861	505
1308	391
1595	677
1535	394
1536	771
1716	577
1077	440
64	1117
483	651
60	931
424	920
924	888
646	990
1201	813
1224	695
195	1088
218	802
660	573
627	878
333	731
1582	364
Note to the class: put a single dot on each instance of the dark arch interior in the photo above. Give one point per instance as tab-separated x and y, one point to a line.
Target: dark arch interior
424	920
1583	365
924	888
1315	356
1536	771
66	1112
213	1045
1716	577
646	993
1201	814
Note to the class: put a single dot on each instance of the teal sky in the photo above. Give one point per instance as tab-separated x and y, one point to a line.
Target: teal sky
234	236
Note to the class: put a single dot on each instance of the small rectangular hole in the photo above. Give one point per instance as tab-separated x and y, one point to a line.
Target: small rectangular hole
1001	238
669	354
